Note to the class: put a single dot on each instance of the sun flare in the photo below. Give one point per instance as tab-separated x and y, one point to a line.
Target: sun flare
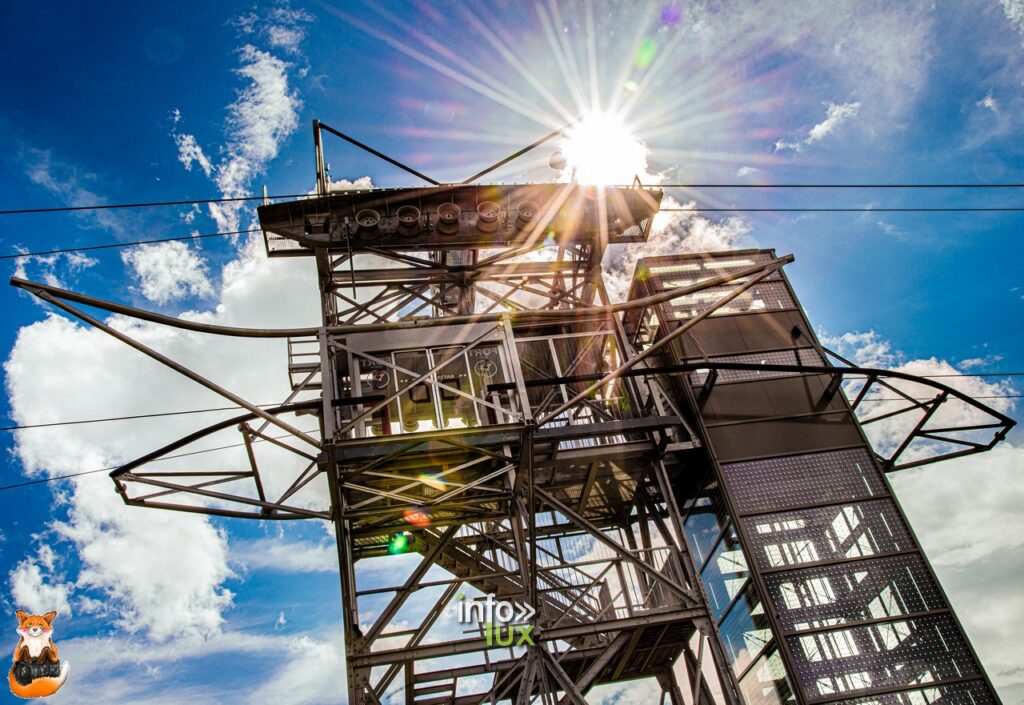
601	150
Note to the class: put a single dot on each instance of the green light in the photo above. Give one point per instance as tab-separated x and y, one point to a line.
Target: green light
645	54
399	543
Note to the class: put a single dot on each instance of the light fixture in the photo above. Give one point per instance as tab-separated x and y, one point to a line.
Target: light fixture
525	212
368	221
448	218
487	220
408	221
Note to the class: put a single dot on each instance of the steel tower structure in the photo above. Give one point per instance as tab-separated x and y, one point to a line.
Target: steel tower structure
675	487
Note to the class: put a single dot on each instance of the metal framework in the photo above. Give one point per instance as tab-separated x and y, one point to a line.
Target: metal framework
472	391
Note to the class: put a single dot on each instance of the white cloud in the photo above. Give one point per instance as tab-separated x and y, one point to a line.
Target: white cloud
780	145
989	102
264	113
674	232
74	187
878	51
38	593
835	115
288	557
312	674
871	350
189	216
128	671
52	269
262	116
161	573
168	271
977	549
973	362
747	171
189	151
1014	10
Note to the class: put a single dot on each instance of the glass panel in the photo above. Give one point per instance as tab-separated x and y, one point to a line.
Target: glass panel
537	363
725	573
888	654
778	483
375	380
766	682
456	410
827	533
486	368
704	523
417	403
745	629
850	592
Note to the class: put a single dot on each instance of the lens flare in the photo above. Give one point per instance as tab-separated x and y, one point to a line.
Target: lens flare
602	152
671	15
645	54
433	481
417	517
399	543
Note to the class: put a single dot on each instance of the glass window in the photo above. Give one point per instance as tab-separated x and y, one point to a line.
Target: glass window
725	573
704	522
745	630
766	682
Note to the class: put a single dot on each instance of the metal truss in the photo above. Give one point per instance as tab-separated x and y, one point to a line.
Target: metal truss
545	474
553	278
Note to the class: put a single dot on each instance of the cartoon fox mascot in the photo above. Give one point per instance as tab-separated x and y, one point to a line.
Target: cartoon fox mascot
37	670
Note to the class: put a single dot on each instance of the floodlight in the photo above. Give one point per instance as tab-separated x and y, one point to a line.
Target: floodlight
525	212
448	218
488	212
368	221
408	220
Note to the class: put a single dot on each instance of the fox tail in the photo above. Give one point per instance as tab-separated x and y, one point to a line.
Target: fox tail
39	687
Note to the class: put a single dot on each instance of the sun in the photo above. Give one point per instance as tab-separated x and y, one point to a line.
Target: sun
601	151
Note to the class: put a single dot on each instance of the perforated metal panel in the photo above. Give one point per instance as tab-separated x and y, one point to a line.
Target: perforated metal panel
970	693
808	565
781	483
800	356
763	296
845	530
888	654
850	592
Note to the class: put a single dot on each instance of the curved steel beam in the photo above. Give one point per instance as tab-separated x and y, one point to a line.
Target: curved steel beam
204	432
36	287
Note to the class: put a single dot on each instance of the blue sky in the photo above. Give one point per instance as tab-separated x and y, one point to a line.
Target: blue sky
126	102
